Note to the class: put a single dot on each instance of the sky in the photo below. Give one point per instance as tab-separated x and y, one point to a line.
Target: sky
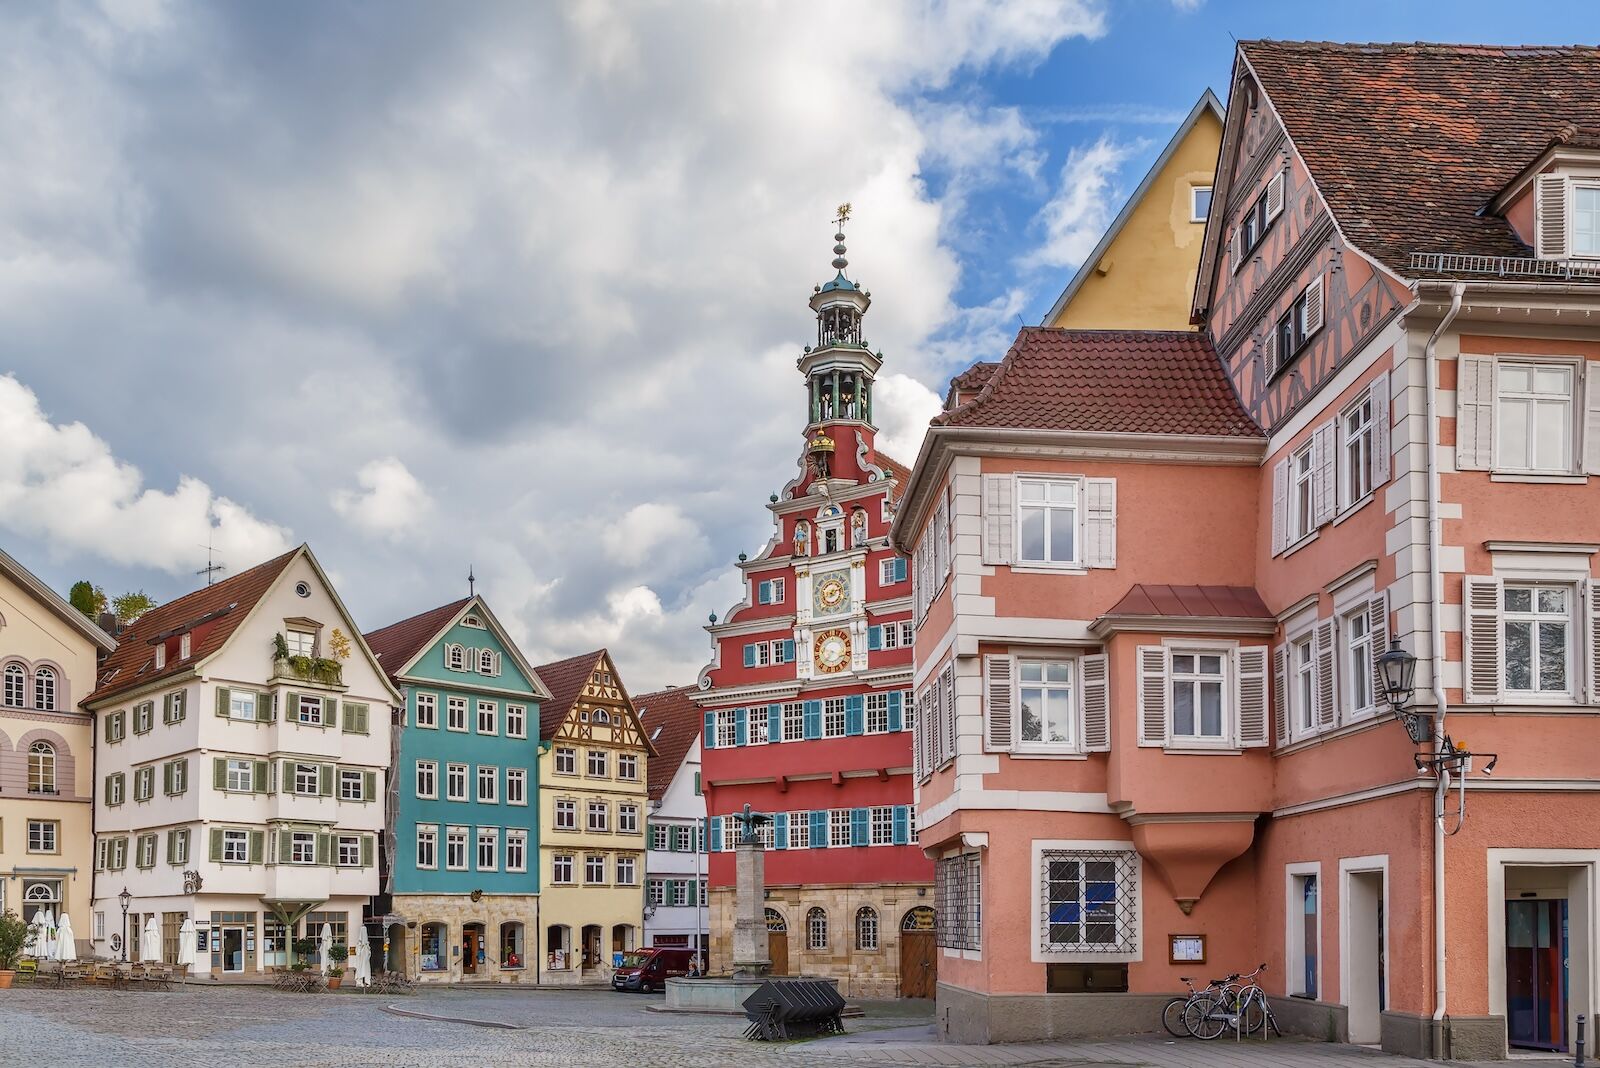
520	287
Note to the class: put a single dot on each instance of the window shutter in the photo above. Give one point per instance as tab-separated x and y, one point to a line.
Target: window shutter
997	536
780	830
896	716
1378	624
325	780
1591	417
1280	694
259	782
763	593
812	720
1326	638
1096	698
369	786
858	827
750	655
1382	412
818	831
1314	309
711	730
219	772
1152	695
355	718
1100	541
324	849
788	650
899	569
741	726
222	703
1250	664
285	846
166	779
1274	197
947	708
264	707
366	850
172	836
1280	506
1474	413
1233	251
216	845
1000	687
1550	204
902	825
918	728
330	712
1481	598
1593	601
874	638
774	723
258	843
855	714
1325	462
1269	349
291	706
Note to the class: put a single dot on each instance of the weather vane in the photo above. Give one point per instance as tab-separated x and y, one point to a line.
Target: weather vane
843	215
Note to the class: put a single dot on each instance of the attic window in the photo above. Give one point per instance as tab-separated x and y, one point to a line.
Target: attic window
1568	209
472	621
185	647
161	656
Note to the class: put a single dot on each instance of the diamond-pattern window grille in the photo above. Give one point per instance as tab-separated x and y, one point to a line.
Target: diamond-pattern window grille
957	898
1089	901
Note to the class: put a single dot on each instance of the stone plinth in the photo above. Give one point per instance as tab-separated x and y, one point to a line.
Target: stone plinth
721	993
750	957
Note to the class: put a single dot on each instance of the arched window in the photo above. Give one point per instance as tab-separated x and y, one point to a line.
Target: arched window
775	921
602	716
866	927
44	690
816	929
16	686
918	919
41	768
455	658
486	662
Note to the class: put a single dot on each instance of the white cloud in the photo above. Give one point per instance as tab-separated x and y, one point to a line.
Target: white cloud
61	485
1083	206
906	406
391	502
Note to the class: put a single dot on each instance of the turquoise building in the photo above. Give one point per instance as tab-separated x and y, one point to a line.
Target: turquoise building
461	857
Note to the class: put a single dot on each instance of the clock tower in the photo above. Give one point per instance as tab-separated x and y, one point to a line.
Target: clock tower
807	699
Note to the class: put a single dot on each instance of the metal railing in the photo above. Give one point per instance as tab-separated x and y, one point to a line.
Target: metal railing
1456	263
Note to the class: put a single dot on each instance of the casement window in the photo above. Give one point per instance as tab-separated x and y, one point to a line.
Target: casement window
241	705
599	764
235	847
302	848
599	816
1303	684
1326	674
44	836
1049	521
488	715
488	849
886	637
594	868
817	929
628	766
1585	219
655	892
765	654
240	776
144	784
958	902
455	657
566	815
1359	662
833	717
116	788
175	776
301	642
1199	696
488	785
143	717
1256	221
456	714
799	826
178	846
1295	327
1537	632
348	852
881	824
627	871
561	869
488	662
1037	705
516	721
794	726
428	710
891	571
1194	697
455	782
42	768
428	779
427	846
516	851
1302	494
877	706
16	689
1090	902
1199	203
683	839
838	828
305	779
627	819
770	591
1357	431
566	760
1532	417
353	785
455	849
309	710
516	786
727	725
118	858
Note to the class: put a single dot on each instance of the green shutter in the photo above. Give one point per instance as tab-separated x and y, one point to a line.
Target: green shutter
219	772
369	786
166	788
108	788
325	780
264	709
216	845
324	849
366	850
172	837
291	706
258	843
285	845
286	777
222	702
109	717
355	718
183	766
259	783
330	712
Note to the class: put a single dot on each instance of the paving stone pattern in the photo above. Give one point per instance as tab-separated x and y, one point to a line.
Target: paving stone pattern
250	1026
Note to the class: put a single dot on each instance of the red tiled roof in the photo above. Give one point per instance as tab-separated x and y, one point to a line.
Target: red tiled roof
564	679
1109	381
894	469
224	603
973	378
1209	602
397	643
1407	142
673	722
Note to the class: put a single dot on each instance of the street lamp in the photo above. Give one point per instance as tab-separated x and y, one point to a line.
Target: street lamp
1398	670
125	897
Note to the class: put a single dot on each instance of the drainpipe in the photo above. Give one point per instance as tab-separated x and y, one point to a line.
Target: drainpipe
1436	639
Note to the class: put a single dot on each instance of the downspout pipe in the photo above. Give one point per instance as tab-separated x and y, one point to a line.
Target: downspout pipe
1436	642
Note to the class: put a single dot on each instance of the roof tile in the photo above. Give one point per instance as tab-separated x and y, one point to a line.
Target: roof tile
565	680
672	720
397	643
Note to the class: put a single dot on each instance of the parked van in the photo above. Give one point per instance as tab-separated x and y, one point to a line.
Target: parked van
648	970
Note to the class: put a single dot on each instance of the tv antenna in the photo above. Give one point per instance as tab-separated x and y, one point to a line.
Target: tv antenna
212	567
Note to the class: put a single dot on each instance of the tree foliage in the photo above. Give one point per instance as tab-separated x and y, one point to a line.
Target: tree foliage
88	598
130	606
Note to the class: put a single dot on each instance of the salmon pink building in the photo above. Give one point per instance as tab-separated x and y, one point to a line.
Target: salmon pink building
1155	573
807	707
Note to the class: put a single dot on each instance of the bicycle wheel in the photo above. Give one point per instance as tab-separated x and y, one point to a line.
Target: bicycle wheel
1172	1017
1252	1016
1205	1018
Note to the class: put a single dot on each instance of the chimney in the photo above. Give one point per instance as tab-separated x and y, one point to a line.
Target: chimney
108	623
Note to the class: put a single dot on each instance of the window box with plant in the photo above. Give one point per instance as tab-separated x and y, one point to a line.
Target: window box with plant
306	667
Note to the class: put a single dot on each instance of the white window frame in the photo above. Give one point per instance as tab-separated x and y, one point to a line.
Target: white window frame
1574	404
793	716
566	814
1355	471
1351	644
427	770
597	817
1302	683
1071	686
352	785
455	844
235	846
489	712
300	787
429	703
880	825
488	845
455	716
454	774
1535	618
799	830
516	786
428	842
1076	483
488	775
597	758
727	723
41	830
838	828
1195	214
627	819
240	778
516	721
311	710
628	767
594	864
875	713
835	717
516	850
1228	739
241	705
563	869
347	851
301	642
568	755
455	657
1574	185
1302	491
631	878
302	847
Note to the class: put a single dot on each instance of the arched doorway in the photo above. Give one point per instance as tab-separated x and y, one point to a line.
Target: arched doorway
919	964
778	941
474	954
434	955
558	947
621	942
512	953
593	936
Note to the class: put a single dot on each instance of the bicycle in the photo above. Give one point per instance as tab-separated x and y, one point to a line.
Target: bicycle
1245	1009
1173	1021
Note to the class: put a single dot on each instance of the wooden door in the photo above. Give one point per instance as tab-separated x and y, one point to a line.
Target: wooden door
778	950
472	937
919	969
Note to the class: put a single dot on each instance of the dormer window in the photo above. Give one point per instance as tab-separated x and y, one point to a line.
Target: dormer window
1586	218
1568	211
185	647
161	655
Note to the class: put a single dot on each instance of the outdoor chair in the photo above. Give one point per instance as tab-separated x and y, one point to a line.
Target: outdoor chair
27	970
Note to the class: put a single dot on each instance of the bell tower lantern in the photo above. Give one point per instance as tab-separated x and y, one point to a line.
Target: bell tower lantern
840	368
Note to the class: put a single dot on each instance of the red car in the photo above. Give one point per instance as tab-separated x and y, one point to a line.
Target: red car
647	970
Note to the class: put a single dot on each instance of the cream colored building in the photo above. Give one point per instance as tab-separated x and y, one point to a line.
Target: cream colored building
48	652
593	801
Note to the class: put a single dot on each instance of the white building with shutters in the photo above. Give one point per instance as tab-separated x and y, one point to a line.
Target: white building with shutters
241	755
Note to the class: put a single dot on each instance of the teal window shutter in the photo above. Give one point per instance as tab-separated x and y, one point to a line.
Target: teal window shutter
711	730
813	719
819	829
899	569
764	592
854	715
780	830
750	655
874	638
788	650
716	833
741	726
774	723
858	826
902	824
894	710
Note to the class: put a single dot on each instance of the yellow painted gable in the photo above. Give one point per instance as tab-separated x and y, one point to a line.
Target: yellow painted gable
1144	278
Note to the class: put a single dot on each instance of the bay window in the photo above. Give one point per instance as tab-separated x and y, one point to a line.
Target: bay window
1198	705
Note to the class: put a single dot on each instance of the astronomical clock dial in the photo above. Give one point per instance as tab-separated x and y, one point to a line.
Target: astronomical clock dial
833	651
831	594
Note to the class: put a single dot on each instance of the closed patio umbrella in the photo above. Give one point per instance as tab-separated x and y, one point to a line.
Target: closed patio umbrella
363	958
325	945
35	939
66	945
47	934
186	943
150	943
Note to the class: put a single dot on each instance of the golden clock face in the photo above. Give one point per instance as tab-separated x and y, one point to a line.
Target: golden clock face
833	651
831	594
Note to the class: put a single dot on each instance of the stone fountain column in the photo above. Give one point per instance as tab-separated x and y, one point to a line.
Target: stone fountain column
750	957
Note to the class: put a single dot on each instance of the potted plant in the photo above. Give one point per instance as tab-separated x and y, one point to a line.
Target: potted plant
338	955
13	936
